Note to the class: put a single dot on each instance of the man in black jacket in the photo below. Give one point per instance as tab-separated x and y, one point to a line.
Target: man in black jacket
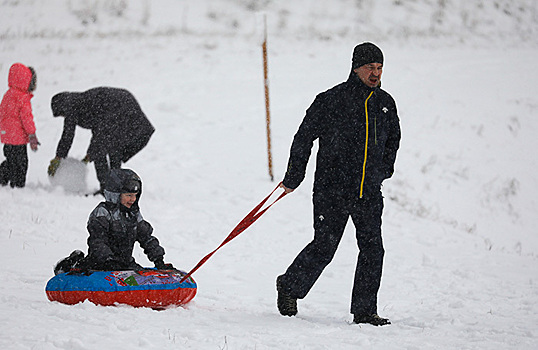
357	126
120	129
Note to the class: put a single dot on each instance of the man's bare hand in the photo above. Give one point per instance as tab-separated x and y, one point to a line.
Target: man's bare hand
286	189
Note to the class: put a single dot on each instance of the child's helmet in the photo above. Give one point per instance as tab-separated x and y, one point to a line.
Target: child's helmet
122	181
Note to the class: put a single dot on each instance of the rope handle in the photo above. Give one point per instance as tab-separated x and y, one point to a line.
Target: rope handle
248	220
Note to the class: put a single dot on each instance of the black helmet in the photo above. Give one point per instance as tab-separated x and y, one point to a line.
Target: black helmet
122	181
131	185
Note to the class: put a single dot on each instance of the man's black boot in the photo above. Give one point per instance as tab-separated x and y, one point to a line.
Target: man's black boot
373	319
287	305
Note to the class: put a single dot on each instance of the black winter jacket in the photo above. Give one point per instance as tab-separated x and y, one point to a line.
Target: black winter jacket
359	135
113	115
114	229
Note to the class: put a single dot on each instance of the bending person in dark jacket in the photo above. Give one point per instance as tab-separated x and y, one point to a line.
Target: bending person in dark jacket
120	129
114	226
358	130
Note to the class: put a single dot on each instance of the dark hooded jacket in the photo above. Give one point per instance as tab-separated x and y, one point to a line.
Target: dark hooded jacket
114	228
113	115
359	134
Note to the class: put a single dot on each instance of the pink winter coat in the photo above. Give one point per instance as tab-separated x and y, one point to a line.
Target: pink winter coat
16	119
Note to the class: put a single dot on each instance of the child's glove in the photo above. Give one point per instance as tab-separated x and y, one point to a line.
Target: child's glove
53	166
33	142
161	265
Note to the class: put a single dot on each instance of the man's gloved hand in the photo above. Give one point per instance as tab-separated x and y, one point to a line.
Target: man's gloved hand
161	265
33	142
53	166
86	159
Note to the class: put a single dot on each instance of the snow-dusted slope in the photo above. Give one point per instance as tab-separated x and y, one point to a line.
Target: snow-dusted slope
460	218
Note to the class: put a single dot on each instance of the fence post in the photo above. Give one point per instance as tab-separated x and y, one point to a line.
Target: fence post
267	111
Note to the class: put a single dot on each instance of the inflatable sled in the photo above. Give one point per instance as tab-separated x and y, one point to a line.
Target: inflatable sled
146	288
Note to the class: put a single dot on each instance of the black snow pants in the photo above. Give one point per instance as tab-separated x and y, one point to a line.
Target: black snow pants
135	146
330	218
119	156
13	170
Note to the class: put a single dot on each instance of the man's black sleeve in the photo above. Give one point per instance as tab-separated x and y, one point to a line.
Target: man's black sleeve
301	147
66	140
393	142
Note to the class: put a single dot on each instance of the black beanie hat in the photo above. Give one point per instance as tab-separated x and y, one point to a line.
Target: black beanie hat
366	53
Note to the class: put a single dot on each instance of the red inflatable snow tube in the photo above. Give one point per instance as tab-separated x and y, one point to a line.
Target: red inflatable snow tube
152	288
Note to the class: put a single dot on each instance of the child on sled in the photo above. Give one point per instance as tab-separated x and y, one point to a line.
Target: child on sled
114	226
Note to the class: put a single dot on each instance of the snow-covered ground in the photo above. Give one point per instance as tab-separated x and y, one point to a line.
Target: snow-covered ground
460	224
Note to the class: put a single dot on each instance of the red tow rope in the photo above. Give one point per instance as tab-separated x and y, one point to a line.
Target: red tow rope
242	226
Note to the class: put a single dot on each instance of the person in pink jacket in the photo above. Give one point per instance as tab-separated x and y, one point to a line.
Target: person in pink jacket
17	126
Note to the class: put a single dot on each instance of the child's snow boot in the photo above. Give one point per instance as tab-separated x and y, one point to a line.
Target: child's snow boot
66	264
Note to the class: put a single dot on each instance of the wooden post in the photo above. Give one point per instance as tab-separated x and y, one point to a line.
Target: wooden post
267	111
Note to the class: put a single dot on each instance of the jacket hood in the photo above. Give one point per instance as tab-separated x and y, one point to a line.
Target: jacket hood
64	103
122	181
19	77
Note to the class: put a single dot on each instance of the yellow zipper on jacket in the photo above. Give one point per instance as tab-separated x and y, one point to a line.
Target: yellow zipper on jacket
365	145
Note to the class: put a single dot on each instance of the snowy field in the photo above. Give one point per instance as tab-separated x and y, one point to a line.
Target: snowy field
460	224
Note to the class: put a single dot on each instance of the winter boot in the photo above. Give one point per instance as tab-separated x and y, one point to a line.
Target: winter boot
373	319
66	264
287	305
